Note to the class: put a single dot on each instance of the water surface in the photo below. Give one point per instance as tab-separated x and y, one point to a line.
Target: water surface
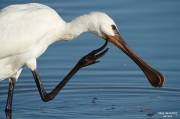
115	87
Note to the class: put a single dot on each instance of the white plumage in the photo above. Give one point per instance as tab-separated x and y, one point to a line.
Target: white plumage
27	30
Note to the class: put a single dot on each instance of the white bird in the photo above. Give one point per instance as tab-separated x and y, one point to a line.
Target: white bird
27	30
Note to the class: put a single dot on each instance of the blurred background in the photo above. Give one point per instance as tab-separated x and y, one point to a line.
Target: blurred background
115	87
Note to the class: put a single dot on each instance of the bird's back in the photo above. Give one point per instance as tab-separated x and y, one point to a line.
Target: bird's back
23	26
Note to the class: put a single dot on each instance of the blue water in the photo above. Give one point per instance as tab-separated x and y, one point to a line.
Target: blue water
116	87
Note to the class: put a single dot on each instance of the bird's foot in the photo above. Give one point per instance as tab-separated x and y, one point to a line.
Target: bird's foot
92	57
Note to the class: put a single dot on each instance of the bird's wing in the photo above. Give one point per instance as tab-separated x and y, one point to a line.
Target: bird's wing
22	27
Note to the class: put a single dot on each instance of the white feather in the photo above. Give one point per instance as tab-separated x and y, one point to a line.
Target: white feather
27	30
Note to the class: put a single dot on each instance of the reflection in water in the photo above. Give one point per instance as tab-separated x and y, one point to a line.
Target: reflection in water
89	59
108	89
8	114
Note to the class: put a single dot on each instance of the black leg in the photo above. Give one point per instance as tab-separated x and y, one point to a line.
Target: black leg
8	108
10	96
88	59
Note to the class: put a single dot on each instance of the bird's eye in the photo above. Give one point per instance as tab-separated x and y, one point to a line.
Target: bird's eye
115	30
113	27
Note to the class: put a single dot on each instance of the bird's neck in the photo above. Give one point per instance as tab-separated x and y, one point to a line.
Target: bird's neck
79	25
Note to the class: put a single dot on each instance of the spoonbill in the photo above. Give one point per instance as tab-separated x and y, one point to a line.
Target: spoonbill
26	30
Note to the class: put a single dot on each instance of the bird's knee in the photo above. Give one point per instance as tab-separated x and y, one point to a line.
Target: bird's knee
15	76
31	64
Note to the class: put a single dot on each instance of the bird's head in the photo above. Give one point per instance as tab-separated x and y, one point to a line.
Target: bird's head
106	28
